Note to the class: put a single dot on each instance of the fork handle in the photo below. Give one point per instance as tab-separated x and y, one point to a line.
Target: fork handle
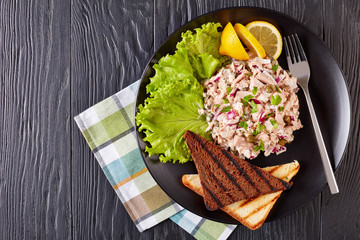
320	141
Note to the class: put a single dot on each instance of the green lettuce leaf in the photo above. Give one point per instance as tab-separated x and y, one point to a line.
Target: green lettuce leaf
176	94
203	49
205	40
204	65
170	70
167	115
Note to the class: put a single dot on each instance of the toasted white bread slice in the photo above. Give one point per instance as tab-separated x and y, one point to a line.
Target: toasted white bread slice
251	212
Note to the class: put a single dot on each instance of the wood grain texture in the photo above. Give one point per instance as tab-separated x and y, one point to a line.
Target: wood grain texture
35	201
60	57
111	42
340	213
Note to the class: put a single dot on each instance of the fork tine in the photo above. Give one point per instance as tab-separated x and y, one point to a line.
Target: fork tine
287	53
292	54
296	51
301	50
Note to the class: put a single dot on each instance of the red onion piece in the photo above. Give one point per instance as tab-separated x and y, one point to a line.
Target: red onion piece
255	101
217	79
274	150
281	137
281	149
277	80
292	118
262	117
233	93
230	115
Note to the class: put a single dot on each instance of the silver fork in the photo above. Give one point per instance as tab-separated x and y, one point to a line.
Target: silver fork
299	67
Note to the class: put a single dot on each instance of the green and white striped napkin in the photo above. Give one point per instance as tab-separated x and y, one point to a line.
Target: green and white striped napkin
109	130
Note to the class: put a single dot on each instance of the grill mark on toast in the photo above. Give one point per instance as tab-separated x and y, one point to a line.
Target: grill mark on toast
261	207
240	169
246	201
220	185
286	184
275	168
259	173
218	163
214	197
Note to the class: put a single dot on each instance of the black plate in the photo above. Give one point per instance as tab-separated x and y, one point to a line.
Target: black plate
330	99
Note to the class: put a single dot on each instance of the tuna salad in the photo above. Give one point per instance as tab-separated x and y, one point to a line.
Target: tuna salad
252	106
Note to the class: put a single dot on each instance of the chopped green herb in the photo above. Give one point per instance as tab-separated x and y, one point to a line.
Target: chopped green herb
216	105
277	89
228	89
275	100
258	129
281	109
274	123
269	115
226	109
275	67
259	147
248	74
254	91
243	125
253	107
225	101
247	99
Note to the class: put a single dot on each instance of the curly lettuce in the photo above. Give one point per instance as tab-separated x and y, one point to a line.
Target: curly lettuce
176	94
171	69
205	40
165	118
203	49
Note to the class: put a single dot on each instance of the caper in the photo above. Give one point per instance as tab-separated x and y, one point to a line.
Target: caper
282	142
250	138
269	89
287	119
285	88
246	117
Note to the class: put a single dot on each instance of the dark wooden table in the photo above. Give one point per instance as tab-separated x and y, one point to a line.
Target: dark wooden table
60	57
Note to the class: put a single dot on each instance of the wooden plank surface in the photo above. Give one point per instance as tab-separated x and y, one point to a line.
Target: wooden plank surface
61	57
340	214
111	43
35	149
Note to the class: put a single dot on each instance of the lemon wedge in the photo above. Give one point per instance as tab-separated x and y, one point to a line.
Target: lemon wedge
231	45
249	40
268	36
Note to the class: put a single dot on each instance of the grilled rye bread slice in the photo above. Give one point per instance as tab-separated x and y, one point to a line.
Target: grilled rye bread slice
226	178
251	212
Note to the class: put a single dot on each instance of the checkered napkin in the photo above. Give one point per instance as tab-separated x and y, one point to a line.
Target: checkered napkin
108	128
